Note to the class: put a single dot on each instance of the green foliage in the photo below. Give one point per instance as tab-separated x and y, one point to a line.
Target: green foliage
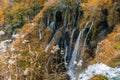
99	77
22	11
35	5
17	14
118	46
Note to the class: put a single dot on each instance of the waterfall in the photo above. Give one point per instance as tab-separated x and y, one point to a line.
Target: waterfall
47	47
97	49
48	21
66	16
76	58
72	36
68	51
65	57
100	68
4	45
71	72
14	36
84	45
52	27
40	34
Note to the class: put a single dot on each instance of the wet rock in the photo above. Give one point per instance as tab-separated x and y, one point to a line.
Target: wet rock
58	16
117	7
93	44
105	11
91	49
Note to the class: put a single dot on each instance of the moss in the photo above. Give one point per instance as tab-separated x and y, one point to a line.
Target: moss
99	77
118	46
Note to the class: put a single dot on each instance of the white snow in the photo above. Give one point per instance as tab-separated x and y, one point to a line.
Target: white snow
15	35
11	61
32	24
26	71
74	62
22	36
55	49
47	47
100	68
40	34
52	51
9	78
2	32
80	63
12	48
4	45
25	41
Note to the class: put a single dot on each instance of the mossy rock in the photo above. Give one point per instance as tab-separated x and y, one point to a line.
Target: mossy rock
99	77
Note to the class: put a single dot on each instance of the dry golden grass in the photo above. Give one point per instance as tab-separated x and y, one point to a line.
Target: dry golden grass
93	12
109	48
34	60
31	33
92	9
1	17
24	65
50	7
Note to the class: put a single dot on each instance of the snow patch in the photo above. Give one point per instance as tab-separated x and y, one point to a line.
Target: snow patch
25	41
11	61
12	48
15	36
4	45
100	68
2	32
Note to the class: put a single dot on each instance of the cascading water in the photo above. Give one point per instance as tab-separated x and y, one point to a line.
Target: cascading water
73	59
84	45
71	40
52	27
72	64
97	49
68	52
76	59
40	34
48	21
100	68
47	47
4	45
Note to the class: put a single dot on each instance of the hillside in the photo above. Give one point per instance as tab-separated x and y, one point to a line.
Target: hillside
59	39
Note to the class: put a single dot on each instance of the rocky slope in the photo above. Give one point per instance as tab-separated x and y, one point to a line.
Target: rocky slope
60	39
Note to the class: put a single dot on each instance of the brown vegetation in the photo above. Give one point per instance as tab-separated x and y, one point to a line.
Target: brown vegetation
109	49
